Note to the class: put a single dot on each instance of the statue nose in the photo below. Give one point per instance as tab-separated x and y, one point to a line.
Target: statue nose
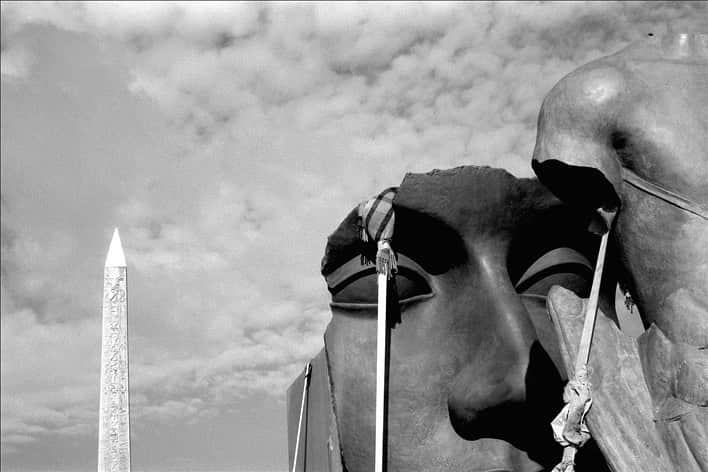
512	401
489	393
493	379
503	397
485	398
509	382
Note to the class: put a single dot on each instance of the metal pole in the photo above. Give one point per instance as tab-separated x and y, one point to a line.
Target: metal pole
305	382
591	309
380	372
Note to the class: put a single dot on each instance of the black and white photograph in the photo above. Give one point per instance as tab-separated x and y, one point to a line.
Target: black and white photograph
345	236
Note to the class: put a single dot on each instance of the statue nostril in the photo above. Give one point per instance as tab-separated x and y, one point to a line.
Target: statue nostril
481	397
498	421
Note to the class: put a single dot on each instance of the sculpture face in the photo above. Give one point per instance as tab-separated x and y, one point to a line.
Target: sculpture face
632	130
474	374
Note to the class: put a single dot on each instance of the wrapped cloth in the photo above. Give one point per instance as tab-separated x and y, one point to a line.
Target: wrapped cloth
569	428
376	222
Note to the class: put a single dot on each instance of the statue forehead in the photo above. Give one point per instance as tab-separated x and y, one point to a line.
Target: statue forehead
458	203
470	200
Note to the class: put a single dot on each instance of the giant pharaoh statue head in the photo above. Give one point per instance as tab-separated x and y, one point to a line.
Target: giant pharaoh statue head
475	376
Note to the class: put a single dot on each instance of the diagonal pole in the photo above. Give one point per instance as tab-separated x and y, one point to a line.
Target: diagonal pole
569	426
591	309
381	356
305	383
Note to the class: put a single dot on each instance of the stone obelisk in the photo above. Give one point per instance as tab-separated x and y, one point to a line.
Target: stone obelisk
114	416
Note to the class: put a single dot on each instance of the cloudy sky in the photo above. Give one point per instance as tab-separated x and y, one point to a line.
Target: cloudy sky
226	141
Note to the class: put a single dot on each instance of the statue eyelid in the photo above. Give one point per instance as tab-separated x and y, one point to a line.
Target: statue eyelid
353	284
553	261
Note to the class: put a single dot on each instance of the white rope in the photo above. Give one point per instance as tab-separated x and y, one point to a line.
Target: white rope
305	383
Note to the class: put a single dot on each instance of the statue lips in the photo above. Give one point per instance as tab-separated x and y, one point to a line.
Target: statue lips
473	383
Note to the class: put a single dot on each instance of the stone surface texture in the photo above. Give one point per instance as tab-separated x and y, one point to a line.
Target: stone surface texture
114	416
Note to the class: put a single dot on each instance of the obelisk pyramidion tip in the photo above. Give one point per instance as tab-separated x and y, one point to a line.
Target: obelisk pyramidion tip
115	257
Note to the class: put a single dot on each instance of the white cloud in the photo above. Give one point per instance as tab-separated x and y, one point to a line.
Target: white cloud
15	62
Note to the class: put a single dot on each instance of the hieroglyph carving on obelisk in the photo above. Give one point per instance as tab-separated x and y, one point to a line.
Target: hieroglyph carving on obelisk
114	416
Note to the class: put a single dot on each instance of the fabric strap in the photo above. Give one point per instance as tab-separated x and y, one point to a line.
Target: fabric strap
664	194
377	216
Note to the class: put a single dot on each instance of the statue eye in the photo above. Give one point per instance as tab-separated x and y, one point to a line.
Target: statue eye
561	266
354	285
